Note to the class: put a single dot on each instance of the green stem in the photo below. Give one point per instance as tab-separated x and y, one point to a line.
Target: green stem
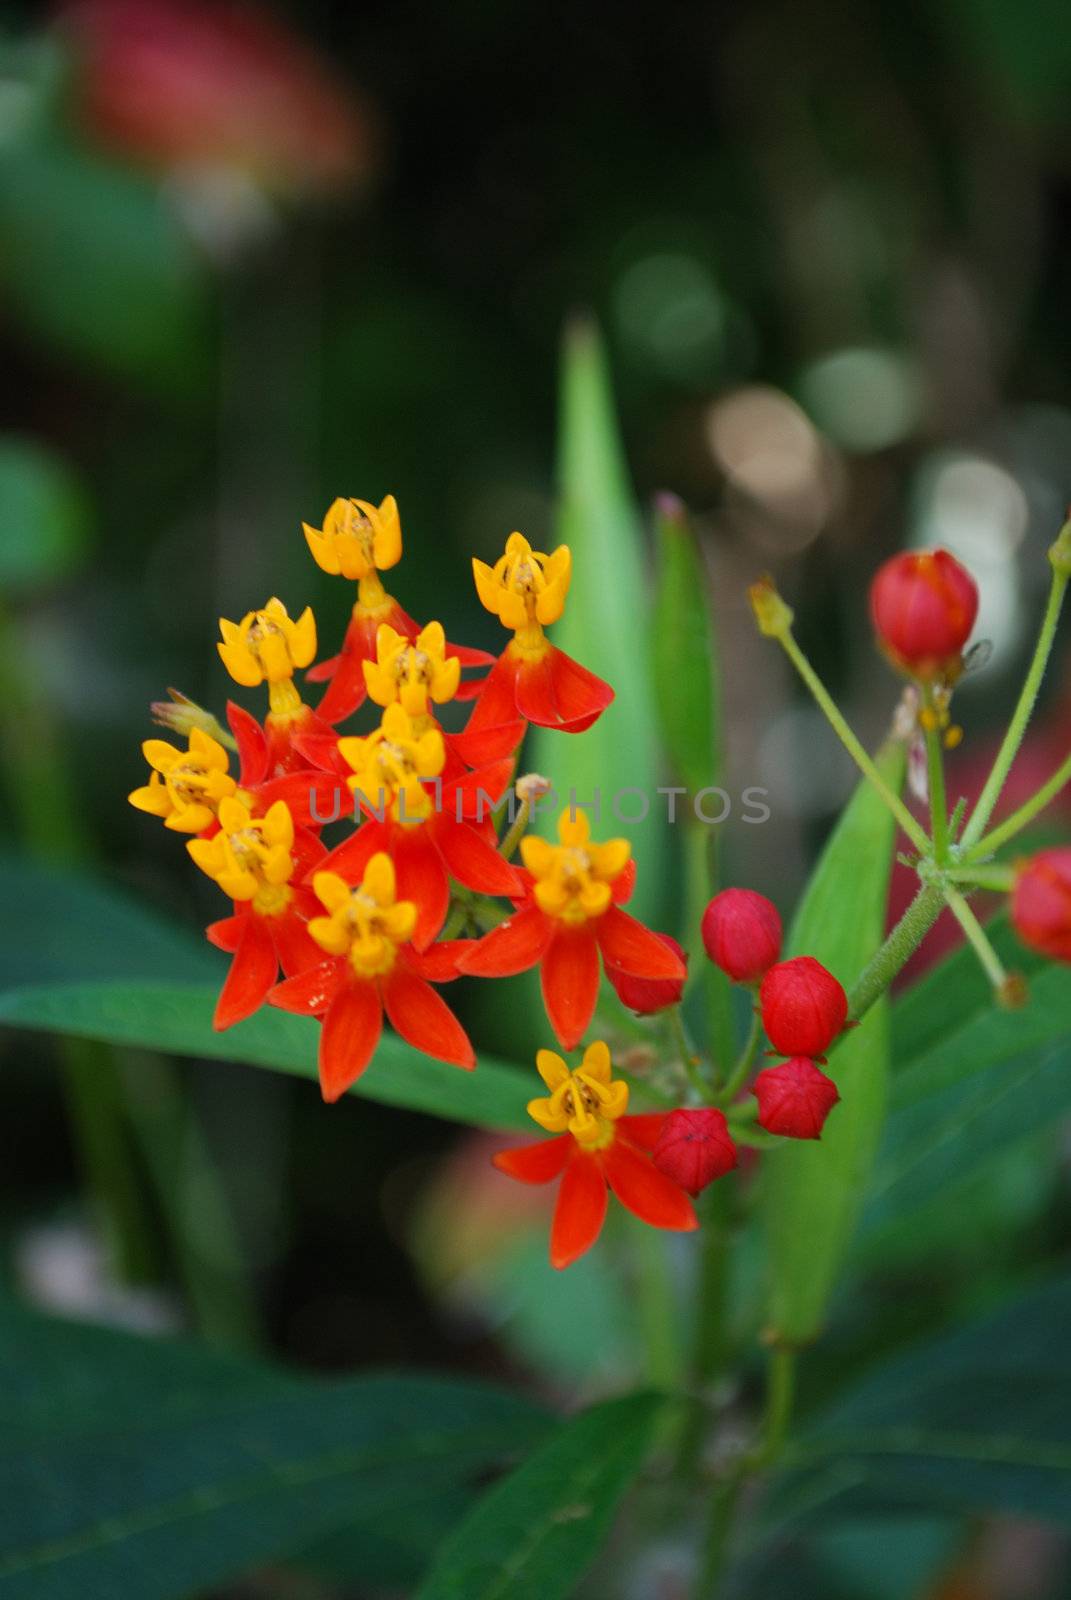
967	920
1009	749
833	714
740	1073
516	831
689	1057
708	1332
656	1306
701	878
897	950
1000	879
935	764
780	1391
780	1394
1025	815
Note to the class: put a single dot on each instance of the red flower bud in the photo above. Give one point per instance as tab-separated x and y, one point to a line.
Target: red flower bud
694	1148
795	1098
646	995
803	1007
1041	903
923	605
742	934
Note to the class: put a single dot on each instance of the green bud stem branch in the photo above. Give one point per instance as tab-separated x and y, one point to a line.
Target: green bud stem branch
950	868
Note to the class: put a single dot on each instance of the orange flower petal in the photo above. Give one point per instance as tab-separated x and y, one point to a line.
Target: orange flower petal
557	692
580	1211
252	744
350	858
541	1162
352	1025
474	862
226	933
512	947
253	971
293	946
309	993
643	1130
421	878
645	1191
627	946
570	982
424	1020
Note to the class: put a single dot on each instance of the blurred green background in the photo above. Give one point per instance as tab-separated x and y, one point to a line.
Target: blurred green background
247	267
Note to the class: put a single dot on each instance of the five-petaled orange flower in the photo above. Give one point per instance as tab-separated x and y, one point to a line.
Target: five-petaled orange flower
433	829
597	1146
359	541
371	966
570	914
259	861
532	678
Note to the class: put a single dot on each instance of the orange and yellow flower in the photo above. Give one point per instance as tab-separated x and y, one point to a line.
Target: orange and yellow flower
434	830
267	646
359	541
532	679
259	862
571	914
597	1148
371	967
185	787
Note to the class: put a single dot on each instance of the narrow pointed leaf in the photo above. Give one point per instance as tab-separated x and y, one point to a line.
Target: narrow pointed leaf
812	1191
534	1534
684	657
604	625
152	1468
178	1018
977	1419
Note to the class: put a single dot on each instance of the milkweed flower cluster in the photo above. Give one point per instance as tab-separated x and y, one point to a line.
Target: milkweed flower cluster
419	886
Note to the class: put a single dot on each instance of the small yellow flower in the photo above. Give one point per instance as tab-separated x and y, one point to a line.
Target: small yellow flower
412	673
250	856
390	764
267	645
366	924
574	879
185	787
586	1102
357	538
524	588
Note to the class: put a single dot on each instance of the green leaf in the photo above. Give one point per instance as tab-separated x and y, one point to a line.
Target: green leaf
684	653
604	625
95	262
178	1018
811	1192
66	927
988	1036
955	991
44	514
152	1468
977	1419
534	1534
943	1139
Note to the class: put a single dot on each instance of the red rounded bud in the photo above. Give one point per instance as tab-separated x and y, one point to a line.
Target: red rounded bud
923	605
1041	903
694	1148
647	995
741	933
795	1098
803	1007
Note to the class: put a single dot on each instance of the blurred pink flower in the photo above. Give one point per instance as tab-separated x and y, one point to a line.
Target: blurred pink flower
182	85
